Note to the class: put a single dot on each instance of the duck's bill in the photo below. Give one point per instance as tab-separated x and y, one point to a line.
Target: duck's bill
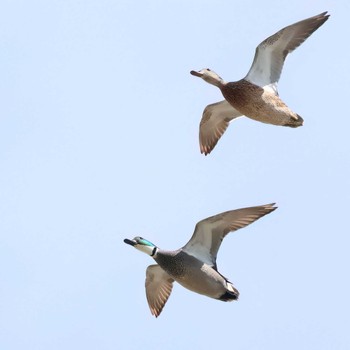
196	74
129	241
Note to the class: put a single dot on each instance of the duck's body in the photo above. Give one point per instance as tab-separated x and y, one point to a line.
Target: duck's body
260	104
256	96
194	265
195	275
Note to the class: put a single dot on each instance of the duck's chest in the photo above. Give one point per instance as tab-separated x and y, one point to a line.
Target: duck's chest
177	264
246	97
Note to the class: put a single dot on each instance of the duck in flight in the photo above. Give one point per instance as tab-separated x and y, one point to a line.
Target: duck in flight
194	265
256	95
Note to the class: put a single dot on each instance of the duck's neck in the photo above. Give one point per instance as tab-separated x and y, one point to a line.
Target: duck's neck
154	252
220	83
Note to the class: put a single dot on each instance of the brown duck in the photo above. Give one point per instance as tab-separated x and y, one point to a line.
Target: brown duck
256	95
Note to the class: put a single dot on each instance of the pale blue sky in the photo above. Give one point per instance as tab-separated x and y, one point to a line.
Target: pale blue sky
99	141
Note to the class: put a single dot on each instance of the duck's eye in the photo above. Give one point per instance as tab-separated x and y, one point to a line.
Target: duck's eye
208	69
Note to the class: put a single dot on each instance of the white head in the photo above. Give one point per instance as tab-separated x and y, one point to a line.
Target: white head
143	245
209	76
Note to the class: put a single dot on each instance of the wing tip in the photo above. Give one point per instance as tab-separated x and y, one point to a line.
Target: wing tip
271	207
205	149
324	14
323	17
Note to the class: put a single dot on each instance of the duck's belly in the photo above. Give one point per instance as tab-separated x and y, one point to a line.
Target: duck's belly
206	281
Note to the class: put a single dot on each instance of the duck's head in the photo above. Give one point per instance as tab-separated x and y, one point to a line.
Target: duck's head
209	76
143	245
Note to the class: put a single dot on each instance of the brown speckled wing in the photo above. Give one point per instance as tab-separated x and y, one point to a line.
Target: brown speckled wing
271	53
214	123
158	288
209	233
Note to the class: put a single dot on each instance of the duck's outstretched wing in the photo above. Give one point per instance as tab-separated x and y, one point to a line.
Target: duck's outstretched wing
214	123
271	53
158	288
209	233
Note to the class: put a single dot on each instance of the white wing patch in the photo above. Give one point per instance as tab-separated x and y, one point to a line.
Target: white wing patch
200	246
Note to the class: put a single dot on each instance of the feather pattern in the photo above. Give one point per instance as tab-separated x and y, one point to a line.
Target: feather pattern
215	120
209	233
158	288
271	53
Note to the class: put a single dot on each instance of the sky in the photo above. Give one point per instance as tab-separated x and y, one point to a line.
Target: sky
99	124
